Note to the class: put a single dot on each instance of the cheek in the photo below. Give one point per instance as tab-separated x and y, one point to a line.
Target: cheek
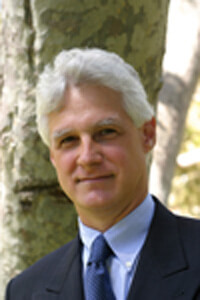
127	158
64	163
65	166
118	156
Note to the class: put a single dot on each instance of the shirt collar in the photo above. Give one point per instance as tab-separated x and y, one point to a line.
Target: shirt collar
126	237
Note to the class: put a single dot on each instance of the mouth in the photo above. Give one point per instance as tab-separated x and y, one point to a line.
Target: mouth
93	179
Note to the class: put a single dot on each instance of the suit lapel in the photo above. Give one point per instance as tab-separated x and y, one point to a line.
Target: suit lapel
162	258
45	296
66	282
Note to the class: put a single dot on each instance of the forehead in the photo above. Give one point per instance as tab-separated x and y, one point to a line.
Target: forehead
89	104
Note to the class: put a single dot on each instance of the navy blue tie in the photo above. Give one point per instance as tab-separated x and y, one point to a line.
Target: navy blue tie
98	286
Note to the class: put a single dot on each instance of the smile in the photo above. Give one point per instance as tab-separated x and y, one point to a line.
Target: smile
94	179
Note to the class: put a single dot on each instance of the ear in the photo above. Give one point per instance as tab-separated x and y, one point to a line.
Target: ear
148	133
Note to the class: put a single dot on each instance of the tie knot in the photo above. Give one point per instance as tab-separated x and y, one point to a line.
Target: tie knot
100	250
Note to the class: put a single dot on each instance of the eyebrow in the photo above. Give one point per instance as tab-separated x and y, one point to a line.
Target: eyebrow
108	121
105	122
59	133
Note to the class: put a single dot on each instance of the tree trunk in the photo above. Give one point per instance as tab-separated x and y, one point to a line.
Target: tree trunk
37	217
181	73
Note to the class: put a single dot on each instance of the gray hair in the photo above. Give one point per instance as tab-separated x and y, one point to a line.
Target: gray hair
95	66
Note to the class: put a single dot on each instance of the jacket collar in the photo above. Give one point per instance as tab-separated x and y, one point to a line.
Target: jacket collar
162	256
67	278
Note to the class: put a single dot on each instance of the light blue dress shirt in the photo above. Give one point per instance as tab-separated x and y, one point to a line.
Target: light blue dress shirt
126	239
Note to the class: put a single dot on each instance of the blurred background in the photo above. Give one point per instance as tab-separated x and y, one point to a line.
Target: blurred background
176	161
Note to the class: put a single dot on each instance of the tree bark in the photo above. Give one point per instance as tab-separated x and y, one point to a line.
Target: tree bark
37	217
181	73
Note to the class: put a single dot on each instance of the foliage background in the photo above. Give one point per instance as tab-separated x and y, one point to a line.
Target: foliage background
184	197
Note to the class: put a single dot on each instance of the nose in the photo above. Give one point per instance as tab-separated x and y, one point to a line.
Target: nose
90	152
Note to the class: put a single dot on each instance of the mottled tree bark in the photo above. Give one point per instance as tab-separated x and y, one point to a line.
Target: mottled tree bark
181	73
37	217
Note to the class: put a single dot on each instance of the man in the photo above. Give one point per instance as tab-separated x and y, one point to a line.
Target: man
93	114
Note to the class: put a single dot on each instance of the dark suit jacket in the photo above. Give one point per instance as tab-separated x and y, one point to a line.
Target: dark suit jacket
169	266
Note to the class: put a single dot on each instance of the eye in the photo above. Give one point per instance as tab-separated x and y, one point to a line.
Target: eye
68	140
105	133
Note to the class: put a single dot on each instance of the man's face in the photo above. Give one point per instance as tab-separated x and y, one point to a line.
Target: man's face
98	153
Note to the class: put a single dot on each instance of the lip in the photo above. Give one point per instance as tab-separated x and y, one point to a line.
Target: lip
91	179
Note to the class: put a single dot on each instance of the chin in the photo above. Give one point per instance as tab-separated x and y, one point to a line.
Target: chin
97	200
